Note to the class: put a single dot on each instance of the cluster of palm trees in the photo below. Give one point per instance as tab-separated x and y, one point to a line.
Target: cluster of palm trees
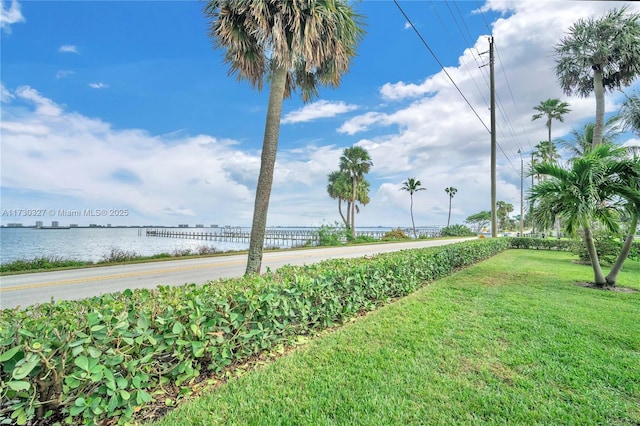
349	185
600	184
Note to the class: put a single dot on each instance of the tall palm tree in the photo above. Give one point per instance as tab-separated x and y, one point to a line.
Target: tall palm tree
451	191
356	162
339	188
584	192
551	109
598	55
412	185
293	45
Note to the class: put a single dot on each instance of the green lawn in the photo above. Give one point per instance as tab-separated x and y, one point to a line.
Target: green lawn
511	340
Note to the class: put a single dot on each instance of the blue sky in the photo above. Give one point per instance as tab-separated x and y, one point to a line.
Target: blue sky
127	106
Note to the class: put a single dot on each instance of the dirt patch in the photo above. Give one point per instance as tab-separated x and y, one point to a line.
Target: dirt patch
606	287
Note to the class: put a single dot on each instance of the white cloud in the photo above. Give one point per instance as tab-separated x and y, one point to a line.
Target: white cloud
98	85
5	94
363	122
316	110
167	179
44	106
68	48
9	16
430	134
63	73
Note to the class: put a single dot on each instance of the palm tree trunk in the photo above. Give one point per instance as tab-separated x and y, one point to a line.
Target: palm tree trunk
413	224
353	209
550	146
598	276
449	218
624	252
598	90
346	221
267	164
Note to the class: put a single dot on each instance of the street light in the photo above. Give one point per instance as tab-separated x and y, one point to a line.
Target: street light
521	194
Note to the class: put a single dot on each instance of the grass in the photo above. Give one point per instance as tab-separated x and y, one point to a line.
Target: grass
509	341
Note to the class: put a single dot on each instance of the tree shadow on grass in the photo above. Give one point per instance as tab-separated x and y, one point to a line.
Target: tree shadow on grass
616	288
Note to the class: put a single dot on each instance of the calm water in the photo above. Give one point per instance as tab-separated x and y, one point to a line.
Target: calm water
93	244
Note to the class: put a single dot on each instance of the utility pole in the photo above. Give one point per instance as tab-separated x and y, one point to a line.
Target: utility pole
494	217
521	195
533	222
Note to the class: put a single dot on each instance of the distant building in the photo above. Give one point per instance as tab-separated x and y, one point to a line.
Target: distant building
39	224
14	225
55	224
93	225
183	225
73	225
214	226
199	226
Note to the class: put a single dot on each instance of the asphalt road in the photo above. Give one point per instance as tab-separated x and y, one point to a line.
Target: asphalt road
27	289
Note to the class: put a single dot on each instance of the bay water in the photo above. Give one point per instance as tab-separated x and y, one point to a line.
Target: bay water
95	244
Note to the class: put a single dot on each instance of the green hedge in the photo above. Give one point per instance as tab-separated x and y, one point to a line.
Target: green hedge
106	357
541	243
609	247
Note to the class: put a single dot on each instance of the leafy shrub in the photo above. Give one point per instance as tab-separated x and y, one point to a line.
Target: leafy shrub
456	231
332	235
116	255
395	234
608	248
41	263
541	243
101	360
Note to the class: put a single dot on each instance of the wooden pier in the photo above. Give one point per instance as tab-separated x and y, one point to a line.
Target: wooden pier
272	237
277	237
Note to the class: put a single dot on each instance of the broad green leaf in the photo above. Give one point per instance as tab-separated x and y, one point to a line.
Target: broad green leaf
143	397
18	385
7	355
82	362
24	369
177	328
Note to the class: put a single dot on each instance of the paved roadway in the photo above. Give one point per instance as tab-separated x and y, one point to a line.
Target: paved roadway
26	289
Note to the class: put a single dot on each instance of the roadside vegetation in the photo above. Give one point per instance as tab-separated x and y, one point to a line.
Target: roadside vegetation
511	340
115	256
110	356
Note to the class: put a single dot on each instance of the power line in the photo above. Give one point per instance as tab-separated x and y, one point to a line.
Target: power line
424	42
439	63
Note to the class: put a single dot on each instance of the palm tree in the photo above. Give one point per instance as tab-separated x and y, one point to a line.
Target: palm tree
545	151
411	185
356	162
582	139
630	119
585	192
551	109
629	114
293	45
599	54
339	188
451	191
502	210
